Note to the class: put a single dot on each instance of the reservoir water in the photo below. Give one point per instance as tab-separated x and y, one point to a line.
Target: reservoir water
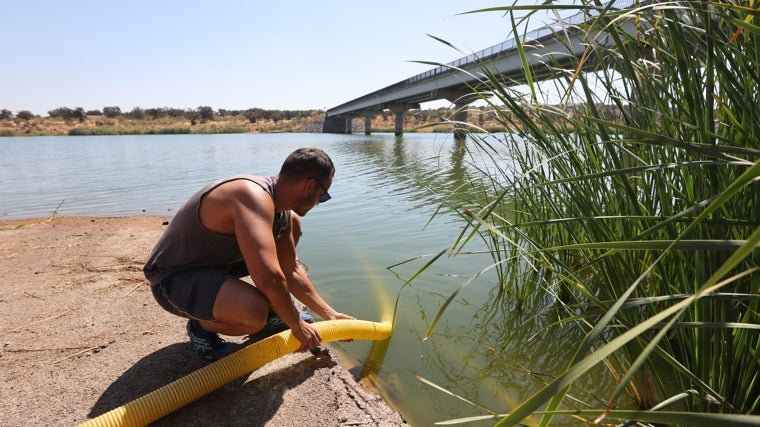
385	190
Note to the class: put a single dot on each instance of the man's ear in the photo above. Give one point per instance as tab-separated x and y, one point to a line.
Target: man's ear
308	186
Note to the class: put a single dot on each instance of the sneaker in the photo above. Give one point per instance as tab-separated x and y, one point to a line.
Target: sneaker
208	345
307	318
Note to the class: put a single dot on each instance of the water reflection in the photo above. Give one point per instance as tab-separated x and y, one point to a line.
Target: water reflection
485	349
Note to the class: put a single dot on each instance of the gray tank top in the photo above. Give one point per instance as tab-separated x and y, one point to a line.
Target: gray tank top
187	243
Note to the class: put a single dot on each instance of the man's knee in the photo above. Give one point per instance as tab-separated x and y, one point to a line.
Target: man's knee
241	306
236	325
250	324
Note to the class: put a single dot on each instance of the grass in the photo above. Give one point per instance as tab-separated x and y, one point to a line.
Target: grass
643	228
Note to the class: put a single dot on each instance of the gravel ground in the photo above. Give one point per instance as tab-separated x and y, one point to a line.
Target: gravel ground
80	334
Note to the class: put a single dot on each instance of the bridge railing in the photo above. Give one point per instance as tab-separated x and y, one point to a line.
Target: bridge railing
511	44
497	49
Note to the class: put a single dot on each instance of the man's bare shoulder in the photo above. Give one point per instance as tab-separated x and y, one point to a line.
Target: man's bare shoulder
230	201
238	189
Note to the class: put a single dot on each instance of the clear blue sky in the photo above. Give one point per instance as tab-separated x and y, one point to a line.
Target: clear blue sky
238	54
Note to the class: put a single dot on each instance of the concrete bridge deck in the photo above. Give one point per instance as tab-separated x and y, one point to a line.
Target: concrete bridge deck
454	81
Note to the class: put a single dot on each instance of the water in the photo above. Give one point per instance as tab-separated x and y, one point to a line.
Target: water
378	217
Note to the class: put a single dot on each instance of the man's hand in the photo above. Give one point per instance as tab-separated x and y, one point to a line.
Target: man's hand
307	335
339	316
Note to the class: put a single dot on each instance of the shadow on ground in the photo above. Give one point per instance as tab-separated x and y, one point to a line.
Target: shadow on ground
238	403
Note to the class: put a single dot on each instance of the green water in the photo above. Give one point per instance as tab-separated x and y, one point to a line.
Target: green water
384	193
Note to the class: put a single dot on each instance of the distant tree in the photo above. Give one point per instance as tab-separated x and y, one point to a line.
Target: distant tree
67	113
111	112
6	114
206	113
79	114
255	114
193	116
175	112
94	113
276	116
137	113
155	113
25	115
64	113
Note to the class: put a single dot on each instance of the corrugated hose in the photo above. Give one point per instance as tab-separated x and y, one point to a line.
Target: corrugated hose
161	402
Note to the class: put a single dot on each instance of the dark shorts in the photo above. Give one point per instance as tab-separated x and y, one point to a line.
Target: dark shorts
191	293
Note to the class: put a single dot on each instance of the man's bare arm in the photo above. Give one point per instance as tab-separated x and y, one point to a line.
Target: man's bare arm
253	215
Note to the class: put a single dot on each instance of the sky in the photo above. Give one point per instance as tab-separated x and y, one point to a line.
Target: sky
227	54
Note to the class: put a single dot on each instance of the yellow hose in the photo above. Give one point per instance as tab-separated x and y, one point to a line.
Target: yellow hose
169	398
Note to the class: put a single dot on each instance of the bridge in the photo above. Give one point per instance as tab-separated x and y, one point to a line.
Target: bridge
454	81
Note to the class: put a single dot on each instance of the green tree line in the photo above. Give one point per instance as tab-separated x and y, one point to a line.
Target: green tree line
202	113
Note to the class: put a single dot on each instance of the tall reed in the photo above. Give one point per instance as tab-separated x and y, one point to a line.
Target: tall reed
627	186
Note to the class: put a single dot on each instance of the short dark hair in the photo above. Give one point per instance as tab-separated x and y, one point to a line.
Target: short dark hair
308	162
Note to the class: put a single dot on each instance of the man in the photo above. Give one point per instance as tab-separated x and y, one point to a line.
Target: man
233	227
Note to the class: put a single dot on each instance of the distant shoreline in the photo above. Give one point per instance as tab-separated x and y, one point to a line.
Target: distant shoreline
122	125
419	121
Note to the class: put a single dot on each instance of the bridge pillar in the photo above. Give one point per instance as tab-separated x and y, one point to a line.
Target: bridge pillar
398	113
368	125
399	118
460	121
461	98
336	125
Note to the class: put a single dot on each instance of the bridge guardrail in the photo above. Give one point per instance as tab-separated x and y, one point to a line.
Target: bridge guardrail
533	36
